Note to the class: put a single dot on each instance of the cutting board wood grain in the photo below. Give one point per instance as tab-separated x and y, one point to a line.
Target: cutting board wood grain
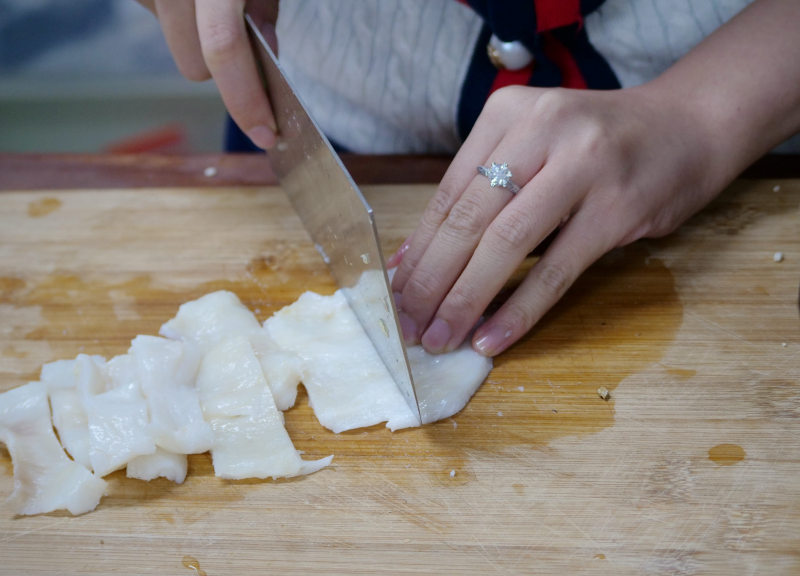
692	466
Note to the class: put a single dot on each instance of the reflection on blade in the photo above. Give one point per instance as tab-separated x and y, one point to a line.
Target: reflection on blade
336	215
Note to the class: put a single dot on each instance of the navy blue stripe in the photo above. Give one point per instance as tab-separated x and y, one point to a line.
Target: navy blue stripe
593	67
510	20
236	140
477	84
545	72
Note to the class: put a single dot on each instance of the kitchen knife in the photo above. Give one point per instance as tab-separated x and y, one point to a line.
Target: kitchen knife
335	214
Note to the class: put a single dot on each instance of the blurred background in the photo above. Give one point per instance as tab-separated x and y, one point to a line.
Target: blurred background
97	76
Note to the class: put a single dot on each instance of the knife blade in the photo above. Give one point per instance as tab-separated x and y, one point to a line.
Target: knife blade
335	214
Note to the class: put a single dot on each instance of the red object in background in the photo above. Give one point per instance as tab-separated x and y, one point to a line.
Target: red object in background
166	139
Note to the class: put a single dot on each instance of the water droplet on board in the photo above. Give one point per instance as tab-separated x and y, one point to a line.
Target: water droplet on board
192	563
726	454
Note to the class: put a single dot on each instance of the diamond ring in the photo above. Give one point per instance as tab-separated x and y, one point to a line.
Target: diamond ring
499	175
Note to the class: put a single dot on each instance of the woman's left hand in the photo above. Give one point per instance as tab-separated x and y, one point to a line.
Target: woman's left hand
606	167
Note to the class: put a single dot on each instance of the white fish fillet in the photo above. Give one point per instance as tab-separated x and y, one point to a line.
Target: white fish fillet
446	382
116	412
349	386
98	410
249	437
45	479
218	382
210	319
282	369
166	371
69	415
159	464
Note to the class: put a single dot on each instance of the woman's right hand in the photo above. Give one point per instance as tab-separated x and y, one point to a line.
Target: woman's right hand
208	39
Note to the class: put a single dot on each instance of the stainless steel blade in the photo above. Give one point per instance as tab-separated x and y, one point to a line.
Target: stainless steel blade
336	215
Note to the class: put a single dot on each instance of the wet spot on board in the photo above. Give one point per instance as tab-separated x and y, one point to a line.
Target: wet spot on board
81	315
682	373
619	318
192	563
726	454
9	287
43	207
13	352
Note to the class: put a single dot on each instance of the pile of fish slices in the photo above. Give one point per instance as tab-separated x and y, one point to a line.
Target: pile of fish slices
215	380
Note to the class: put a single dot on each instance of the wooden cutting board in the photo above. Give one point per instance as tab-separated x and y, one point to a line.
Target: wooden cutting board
691	467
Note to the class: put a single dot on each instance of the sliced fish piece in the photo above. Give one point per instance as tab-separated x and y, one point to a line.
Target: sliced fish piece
160	464
348	385
69	414
250	440
166	371
45	479
210	319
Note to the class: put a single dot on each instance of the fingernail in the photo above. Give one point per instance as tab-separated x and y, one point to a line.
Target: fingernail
437	336
262	137
395	259
491	340
408	327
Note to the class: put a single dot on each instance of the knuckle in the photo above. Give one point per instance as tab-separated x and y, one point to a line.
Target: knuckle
438	207
459	303
554	104
555	278
516	317
192	70
466	218
595	140
512	232
220	41
420	287
499	99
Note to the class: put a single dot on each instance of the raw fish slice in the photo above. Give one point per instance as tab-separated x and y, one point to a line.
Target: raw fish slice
281	369
121	372
166	369
210	319
160	464
45	479
230	382
446	382
251	447
221	315
69	415
90	375
348	385
249	437
116	412
119	430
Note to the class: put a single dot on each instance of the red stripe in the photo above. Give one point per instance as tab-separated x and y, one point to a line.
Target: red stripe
571	76
552	14
163	139
511	78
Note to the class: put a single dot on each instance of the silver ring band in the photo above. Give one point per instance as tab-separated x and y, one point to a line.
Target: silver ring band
499	175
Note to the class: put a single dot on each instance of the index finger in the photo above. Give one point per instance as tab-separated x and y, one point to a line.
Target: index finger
229	57
485	136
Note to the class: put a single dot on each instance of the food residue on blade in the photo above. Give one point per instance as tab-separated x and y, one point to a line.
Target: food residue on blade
215	380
